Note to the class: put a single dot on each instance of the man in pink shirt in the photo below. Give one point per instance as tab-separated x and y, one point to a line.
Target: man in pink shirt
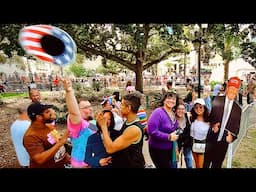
80	125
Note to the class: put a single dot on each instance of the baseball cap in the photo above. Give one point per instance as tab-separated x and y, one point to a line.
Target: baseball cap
104	101
37	108
235	82
199	101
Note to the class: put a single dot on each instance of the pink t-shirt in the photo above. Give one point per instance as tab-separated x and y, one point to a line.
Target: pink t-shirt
79	134
74	129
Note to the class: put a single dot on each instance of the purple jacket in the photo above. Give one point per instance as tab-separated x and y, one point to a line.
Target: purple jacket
159	128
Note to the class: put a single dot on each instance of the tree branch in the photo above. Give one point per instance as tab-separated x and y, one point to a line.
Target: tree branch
149	64
126	51
106	55
146	35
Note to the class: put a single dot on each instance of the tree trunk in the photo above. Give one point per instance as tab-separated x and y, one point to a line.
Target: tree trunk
226	69
139	78
185	67
155	70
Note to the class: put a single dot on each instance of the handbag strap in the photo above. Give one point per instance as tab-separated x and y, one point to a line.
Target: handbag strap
194	133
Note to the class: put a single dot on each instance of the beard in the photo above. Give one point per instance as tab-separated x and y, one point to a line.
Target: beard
49	120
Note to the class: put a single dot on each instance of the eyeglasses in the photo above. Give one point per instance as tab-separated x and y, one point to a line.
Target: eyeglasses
85	107
180	108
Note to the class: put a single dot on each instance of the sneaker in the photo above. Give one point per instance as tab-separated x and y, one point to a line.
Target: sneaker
149	166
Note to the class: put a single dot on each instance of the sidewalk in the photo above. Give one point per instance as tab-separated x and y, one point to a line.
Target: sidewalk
150	164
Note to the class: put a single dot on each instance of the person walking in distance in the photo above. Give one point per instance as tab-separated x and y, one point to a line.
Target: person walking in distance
225	120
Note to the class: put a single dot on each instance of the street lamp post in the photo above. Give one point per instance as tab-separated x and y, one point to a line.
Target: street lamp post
198	41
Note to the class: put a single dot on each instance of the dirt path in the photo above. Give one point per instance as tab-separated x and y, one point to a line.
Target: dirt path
8	113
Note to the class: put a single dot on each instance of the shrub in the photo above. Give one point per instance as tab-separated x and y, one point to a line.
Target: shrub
213	83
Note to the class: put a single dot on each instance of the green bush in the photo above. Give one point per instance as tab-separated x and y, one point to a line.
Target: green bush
88	93
61	113
213	83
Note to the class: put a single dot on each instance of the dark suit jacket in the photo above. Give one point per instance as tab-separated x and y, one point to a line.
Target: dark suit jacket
233	123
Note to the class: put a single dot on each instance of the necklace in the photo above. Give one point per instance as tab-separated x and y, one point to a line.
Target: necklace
182	123
171	114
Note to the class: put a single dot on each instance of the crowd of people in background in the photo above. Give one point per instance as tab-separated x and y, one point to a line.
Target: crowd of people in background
113	137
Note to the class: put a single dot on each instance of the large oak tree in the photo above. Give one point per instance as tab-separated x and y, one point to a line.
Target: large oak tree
135	46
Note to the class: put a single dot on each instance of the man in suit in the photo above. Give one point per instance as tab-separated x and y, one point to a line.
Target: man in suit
224	125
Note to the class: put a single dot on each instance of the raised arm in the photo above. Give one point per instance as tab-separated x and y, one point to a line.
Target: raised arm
72	105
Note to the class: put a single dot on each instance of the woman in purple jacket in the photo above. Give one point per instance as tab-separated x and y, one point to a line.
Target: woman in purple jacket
161	126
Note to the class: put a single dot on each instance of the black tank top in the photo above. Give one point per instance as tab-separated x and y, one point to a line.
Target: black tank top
130	157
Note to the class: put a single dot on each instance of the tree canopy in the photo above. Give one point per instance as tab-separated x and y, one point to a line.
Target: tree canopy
135	46
140	46
248	46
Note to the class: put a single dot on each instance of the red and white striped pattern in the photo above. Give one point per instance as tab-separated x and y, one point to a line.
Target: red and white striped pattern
30	40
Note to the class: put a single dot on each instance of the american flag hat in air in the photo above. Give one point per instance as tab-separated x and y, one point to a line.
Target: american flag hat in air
48	43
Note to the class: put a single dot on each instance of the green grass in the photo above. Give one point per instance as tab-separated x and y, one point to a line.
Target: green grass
236	164
13	95
246	153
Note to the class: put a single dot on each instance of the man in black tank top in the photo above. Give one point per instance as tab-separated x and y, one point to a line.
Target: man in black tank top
126	149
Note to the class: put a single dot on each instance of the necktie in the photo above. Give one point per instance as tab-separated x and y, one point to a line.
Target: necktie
224	119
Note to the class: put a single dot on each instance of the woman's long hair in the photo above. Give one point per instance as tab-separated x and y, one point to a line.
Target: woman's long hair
205	115
112	123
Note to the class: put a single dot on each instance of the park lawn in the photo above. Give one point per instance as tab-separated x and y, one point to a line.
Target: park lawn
245	156
12	95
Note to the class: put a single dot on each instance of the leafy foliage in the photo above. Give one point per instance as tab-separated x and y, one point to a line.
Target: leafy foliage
61	113
135	46
249	45
3	58
9	39
225	40
110	67
78	69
